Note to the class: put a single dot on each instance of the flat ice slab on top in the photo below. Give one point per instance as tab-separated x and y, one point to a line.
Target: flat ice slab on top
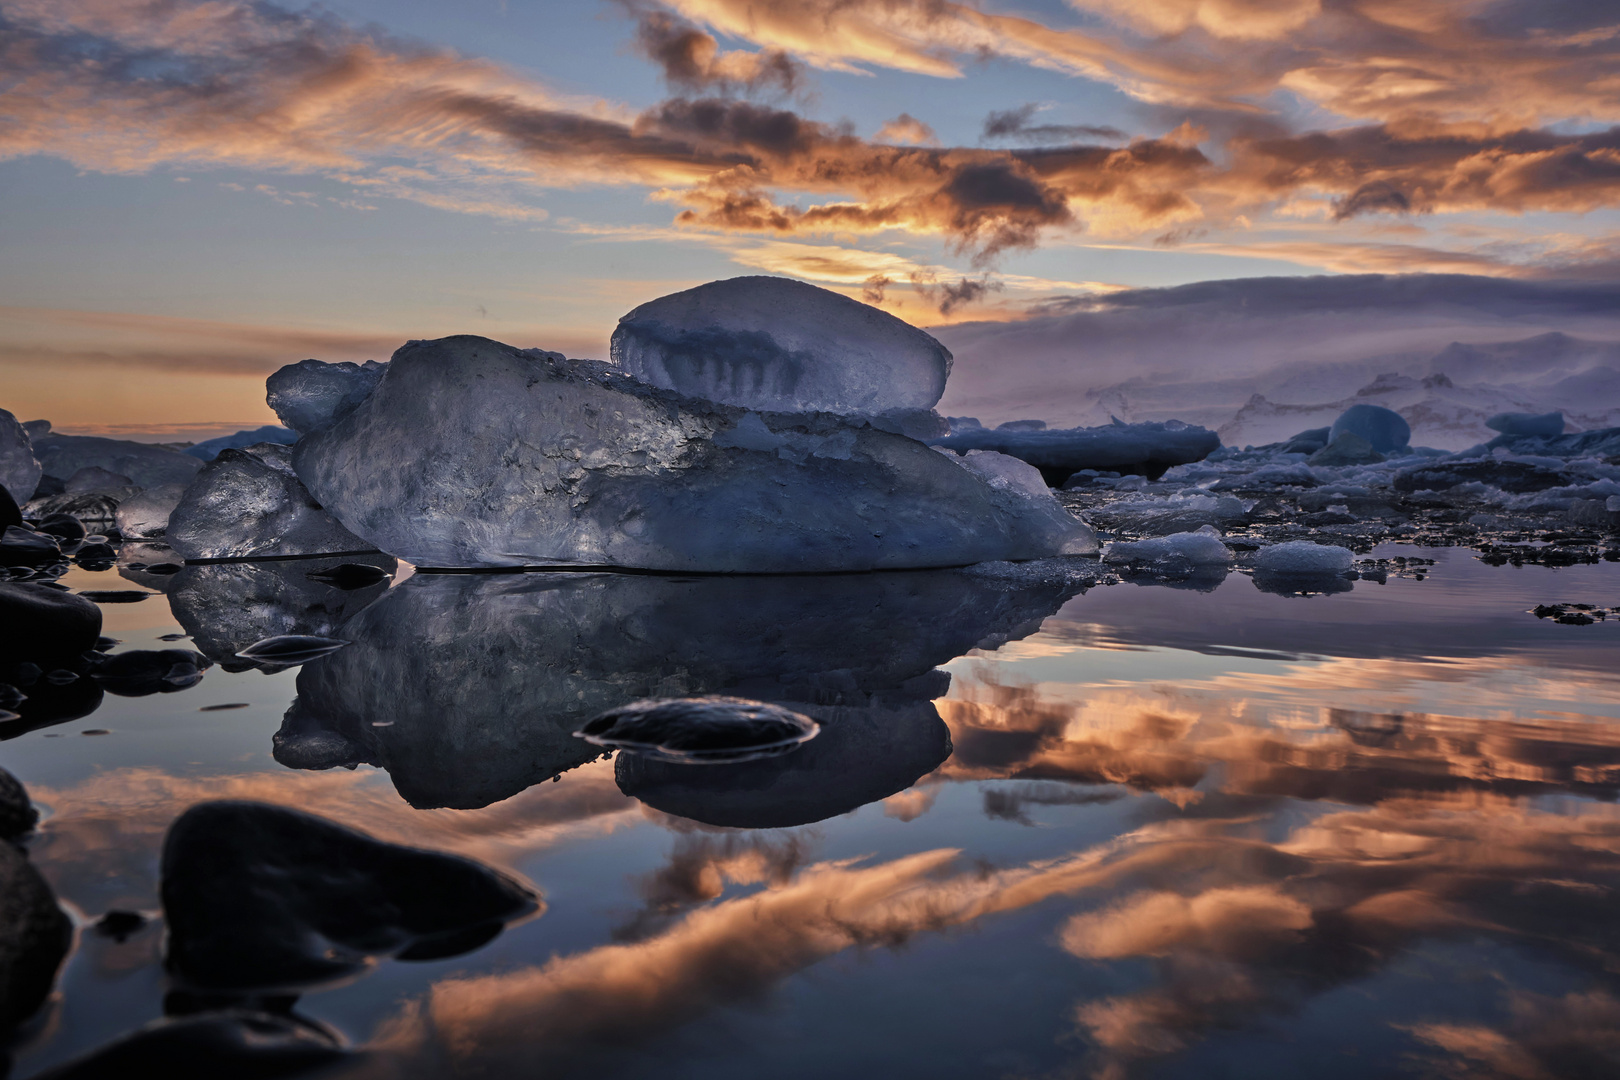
781	346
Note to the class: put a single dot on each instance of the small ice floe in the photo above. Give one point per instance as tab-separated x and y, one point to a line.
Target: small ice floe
286	650
1179	553
1305	557
700	730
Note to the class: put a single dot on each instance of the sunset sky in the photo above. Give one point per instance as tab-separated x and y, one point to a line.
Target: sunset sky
198	192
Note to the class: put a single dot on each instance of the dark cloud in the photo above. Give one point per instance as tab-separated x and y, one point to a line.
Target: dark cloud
691	59
1015	124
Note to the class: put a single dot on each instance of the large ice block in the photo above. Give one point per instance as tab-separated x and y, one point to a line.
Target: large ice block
472	453
19	469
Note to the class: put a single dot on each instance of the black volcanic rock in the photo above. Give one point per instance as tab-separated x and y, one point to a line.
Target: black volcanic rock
260	897
234	1044
34	937
41	621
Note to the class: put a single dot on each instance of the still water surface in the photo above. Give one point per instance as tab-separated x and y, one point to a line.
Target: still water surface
1135	831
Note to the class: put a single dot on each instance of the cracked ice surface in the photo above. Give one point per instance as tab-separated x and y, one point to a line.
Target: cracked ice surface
473	453
781	346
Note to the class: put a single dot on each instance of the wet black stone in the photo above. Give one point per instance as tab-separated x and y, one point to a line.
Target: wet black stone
17	813
119	925
350	575
20	546
229	1045
261	897
95	553
9	513
64	527
700	729
34	937
39	621
862	755
140	672
49	485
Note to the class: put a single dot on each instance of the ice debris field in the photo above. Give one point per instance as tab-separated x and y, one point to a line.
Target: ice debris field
763	425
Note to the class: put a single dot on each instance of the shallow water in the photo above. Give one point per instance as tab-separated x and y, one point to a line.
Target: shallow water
1137	831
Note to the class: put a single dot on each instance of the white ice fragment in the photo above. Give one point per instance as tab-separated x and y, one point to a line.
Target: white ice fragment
311	395
1304	557
247	503
1179	552
146	515
781	346
19	470
472	453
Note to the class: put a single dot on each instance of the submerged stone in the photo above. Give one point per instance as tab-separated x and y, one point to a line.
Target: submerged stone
779	345
472	453
861	756
261	897
700	730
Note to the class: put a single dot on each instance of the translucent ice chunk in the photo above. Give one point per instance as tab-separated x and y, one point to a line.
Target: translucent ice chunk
248	503
19	469
1177	553
473	453
1304	557
784	346
147	515
310	395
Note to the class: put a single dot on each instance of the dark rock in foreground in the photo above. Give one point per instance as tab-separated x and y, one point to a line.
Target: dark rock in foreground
41	621
17	813
34	937
261	897
1148	449
235	1044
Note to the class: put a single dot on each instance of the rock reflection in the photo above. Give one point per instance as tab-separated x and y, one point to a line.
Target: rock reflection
467	688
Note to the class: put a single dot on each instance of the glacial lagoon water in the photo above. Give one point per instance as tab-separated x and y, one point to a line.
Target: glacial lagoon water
1127	831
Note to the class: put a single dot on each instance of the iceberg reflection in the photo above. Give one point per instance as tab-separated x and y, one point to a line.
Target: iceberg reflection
467	688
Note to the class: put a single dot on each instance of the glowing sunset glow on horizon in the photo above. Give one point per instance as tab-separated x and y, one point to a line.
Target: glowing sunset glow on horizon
333	181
